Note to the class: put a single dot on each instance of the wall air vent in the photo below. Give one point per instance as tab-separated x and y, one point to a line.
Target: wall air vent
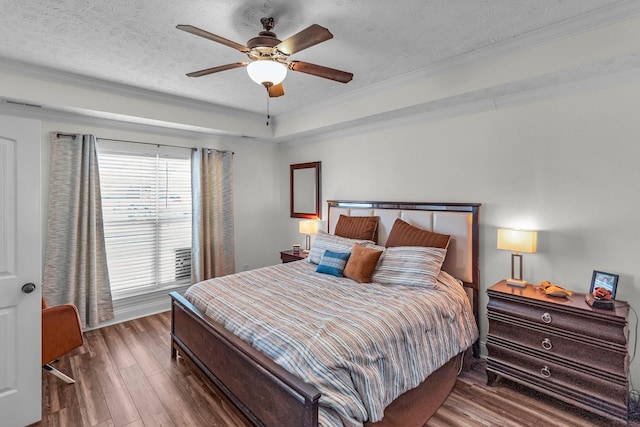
183	263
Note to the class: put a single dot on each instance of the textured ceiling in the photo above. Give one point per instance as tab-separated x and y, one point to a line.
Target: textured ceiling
134	42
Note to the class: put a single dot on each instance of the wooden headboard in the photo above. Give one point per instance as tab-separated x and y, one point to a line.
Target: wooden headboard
459	220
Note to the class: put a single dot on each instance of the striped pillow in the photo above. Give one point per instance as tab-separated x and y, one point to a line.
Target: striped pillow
328	242
410	266
333	263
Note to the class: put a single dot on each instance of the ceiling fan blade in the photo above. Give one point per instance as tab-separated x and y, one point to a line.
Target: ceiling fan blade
217	69
308	37
320	71
276	90
207	35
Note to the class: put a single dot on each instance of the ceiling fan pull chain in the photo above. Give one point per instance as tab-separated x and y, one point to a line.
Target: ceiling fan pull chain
268	116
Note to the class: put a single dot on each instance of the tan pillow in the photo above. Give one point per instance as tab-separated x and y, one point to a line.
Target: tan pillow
357	227
405	234
361	263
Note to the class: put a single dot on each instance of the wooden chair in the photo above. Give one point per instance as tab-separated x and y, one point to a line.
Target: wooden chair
61	333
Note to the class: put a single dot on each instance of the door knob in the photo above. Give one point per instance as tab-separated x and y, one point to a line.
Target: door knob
27	288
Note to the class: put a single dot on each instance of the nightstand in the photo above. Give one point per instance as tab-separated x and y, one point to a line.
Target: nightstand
289	256
561	347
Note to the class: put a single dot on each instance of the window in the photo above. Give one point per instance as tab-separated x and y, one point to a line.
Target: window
146	204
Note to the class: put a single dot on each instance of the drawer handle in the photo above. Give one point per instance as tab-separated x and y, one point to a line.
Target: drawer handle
546	344
545	372
546	318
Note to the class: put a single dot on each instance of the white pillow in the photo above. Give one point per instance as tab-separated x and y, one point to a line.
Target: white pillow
410	266
329	242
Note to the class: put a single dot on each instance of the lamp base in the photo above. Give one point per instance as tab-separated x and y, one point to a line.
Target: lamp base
517	282
307	247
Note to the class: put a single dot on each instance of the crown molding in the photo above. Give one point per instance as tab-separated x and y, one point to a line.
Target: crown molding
622	11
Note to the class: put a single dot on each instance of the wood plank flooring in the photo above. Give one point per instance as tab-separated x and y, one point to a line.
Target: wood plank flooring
125	377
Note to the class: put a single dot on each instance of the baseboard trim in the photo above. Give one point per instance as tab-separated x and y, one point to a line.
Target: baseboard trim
126	309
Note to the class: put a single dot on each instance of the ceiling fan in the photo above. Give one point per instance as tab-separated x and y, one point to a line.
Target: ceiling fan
270	57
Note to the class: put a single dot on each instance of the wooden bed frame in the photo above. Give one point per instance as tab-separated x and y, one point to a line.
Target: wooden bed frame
269	395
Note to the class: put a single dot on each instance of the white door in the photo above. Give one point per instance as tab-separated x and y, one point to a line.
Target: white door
20	264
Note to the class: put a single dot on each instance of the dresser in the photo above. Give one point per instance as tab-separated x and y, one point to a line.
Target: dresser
561	347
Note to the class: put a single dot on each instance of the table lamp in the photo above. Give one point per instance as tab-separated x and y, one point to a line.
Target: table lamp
308	228
517	241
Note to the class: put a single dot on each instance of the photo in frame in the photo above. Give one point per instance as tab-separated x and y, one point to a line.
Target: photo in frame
608	281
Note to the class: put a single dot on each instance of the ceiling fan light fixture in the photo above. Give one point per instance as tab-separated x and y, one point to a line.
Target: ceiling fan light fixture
267	72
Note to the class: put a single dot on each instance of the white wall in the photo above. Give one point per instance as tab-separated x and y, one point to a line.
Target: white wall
567	167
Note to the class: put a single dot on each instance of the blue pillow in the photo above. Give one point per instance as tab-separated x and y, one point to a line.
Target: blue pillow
333	263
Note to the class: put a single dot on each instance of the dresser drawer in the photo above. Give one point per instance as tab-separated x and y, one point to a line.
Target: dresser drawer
553	317
591	392
584	353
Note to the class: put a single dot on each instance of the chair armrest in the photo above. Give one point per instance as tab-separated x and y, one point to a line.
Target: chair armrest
61	331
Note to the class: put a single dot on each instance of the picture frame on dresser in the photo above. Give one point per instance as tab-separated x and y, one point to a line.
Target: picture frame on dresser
609	281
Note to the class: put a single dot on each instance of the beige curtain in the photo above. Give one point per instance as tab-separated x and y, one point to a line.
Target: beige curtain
213	242
75	257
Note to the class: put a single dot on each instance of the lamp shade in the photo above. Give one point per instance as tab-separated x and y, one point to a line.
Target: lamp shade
266	72
517	240
308	227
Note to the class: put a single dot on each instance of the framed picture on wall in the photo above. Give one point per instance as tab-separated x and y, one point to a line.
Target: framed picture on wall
603	285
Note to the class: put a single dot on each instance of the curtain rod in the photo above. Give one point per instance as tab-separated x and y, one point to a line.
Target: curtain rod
158	145
71	135
145	143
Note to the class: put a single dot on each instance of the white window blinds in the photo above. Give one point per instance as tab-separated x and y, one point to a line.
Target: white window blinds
146	203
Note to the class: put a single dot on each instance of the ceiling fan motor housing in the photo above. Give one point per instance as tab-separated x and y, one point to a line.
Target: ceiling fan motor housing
263	47
264	39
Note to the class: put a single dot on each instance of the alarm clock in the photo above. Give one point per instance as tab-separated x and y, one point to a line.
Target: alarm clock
599	303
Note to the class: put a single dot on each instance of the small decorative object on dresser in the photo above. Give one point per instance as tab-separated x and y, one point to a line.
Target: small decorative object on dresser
290	256
561	347
553	290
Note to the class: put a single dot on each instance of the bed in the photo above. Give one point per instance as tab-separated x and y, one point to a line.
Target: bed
269	394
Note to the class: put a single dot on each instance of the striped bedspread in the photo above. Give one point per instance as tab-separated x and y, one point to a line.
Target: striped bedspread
361	345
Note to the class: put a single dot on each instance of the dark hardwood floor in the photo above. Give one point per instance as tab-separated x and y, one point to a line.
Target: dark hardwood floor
125	377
